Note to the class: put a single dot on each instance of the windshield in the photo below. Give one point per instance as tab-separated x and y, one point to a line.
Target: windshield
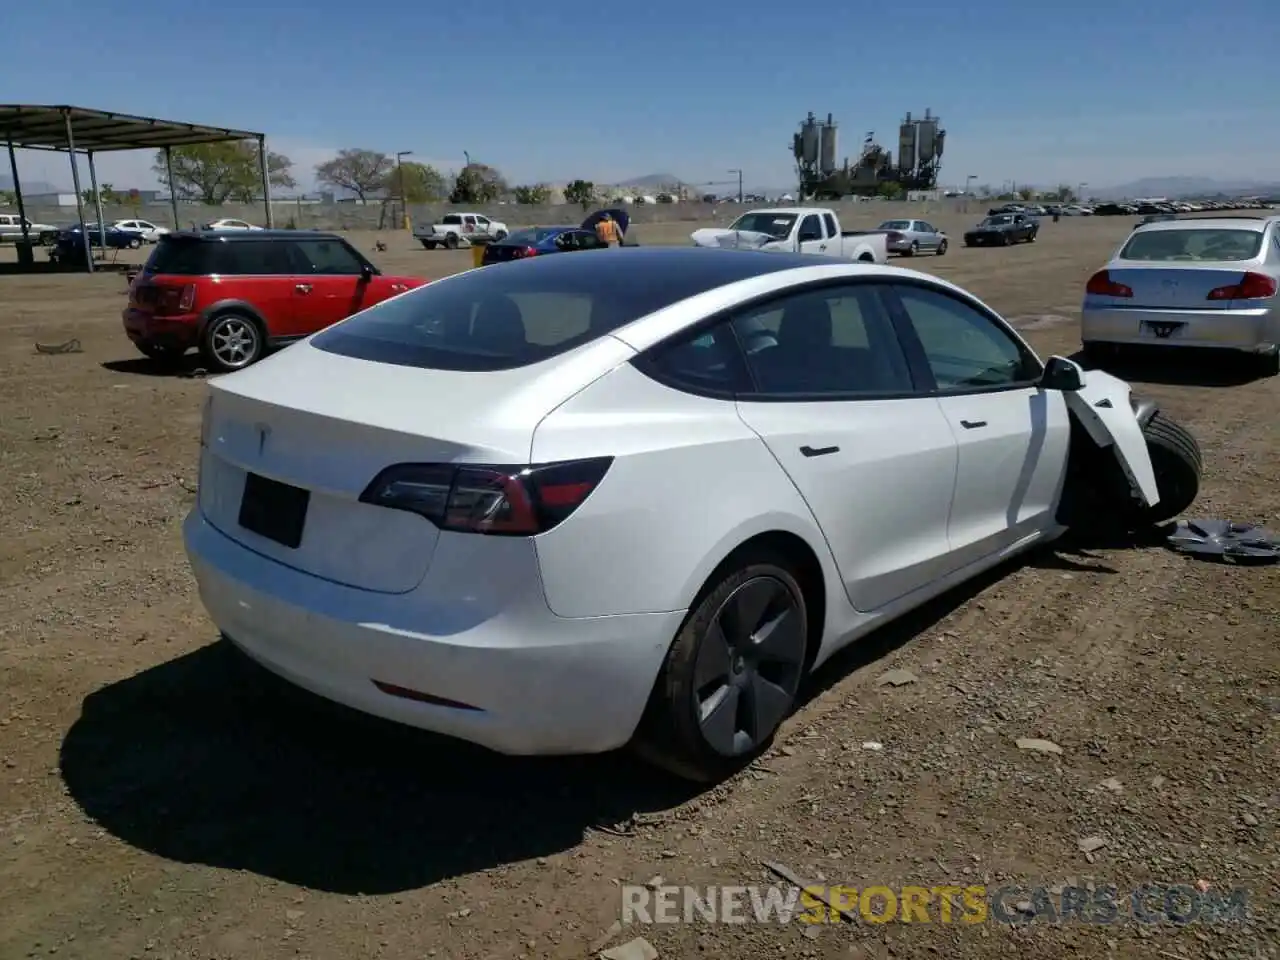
513	314
997	221
777	225
895	225
533	235
1193	244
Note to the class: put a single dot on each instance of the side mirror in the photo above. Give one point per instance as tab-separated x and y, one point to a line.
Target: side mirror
1062	374
368	272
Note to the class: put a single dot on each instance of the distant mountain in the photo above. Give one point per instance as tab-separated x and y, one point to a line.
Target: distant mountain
29	186
1185	187
651	180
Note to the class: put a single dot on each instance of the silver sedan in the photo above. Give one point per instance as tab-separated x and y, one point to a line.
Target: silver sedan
910	237
1209	282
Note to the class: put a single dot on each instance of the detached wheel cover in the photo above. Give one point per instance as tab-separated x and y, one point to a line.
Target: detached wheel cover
1223	540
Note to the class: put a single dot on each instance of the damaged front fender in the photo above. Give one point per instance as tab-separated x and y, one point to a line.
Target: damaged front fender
1105	409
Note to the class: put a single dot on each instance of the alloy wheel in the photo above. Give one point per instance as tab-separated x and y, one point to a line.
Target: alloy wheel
749	666
234	341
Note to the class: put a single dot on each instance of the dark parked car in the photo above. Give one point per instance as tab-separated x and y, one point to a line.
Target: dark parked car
1002	230
540	241
67	247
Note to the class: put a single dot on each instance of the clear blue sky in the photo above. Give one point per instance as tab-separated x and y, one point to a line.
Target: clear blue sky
1094	91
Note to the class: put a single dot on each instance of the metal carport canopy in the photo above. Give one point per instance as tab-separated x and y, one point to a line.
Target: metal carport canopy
72	130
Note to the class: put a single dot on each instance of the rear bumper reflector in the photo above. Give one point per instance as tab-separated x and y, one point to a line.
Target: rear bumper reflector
405	693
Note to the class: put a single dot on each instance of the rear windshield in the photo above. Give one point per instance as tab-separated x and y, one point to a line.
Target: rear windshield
1193	244
510	315
533	235
998	221
896	225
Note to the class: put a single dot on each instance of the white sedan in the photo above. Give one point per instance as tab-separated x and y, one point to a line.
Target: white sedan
227	224
147	231
569	503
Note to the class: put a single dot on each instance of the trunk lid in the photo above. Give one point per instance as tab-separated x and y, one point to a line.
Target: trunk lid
325	425
1184	288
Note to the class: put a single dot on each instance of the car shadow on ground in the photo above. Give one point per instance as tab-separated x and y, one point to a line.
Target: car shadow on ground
210	759
1179	368
188	365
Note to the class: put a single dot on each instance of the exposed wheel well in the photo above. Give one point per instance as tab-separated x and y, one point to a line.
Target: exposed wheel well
803	563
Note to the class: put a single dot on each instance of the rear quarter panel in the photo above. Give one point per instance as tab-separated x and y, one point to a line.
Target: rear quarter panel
690	483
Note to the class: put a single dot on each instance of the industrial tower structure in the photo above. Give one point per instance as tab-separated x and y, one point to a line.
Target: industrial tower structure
822	177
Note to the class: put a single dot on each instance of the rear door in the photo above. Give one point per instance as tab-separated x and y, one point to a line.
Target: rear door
874	459
1011	434
331	285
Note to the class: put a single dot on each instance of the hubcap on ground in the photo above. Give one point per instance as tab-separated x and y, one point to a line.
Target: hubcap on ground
749	666
234	341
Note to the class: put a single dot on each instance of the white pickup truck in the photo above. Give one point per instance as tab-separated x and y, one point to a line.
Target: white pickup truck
460	229
11	229
813	230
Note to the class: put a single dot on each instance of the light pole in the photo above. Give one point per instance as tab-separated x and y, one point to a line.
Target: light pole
739	173
1080	195
968	181
404	196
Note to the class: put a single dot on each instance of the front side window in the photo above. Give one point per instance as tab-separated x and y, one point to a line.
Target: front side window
331	257
832	341
965	349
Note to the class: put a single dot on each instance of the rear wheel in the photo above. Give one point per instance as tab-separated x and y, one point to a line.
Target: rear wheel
1269	363
135	243
913	249
429	244
731	675
500	236
451	242
231	341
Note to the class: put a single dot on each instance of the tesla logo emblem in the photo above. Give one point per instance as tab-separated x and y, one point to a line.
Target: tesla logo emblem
1164	330
263	432
1168	284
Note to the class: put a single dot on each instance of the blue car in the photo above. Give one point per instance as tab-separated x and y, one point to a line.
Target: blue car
540	241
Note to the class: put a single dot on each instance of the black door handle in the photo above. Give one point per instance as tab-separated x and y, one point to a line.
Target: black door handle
972	424
818	451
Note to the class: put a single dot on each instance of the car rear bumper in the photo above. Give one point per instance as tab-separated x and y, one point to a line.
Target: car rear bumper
176	331
1251	330
513	676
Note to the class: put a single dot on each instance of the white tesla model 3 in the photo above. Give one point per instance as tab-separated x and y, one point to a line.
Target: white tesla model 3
568	503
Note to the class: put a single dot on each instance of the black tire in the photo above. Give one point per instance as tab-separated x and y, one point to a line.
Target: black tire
942	249
913	249
672	734
451	241
135	243
1268	364
428	244
1031	237
221	332
1178	465
500	236
1006	239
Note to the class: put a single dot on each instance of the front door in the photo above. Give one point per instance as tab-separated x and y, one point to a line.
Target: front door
1012	435
811	235
874	460
331	285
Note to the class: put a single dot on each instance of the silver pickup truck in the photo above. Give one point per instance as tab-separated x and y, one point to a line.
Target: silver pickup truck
11	230
813	230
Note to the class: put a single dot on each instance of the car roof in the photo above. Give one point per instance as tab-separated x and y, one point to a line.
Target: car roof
1213	223
240	236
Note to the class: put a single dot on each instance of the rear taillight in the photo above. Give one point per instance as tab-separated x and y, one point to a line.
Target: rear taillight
1101	285
175	299
528	252
894	237
1252	286
495	500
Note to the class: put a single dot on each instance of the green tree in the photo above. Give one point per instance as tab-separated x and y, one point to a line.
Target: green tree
582	192
360	171
1064	193
213	173
477	183
421	183
889	190
1027	193
535	194
110	196
8	198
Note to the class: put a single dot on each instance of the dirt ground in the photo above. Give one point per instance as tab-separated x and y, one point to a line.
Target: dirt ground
159	798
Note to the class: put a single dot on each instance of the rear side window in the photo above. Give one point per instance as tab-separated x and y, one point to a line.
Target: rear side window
532	235
1193	244
511	315
242	258
451	220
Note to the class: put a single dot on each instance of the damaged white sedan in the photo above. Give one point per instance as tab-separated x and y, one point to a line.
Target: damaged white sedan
569	503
